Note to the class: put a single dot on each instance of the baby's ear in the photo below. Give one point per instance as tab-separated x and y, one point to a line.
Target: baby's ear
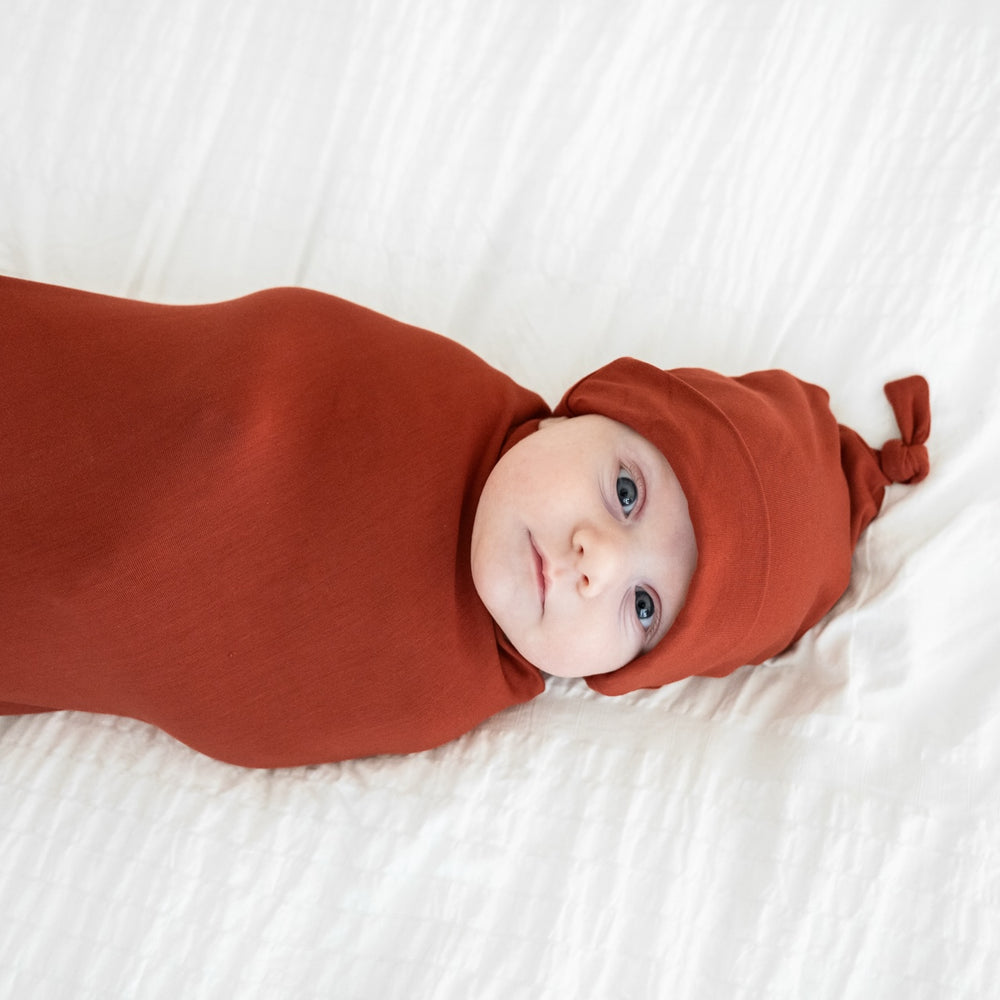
550	421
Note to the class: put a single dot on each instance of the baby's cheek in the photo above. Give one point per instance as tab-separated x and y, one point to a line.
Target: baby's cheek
583	650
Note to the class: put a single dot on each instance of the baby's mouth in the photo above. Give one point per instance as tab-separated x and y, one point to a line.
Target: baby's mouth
539	571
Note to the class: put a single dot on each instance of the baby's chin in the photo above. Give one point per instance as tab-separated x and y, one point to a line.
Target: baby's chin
569	672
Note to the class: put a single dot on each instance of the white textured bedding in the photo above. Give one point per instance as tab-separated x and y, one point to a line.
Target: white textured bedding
735	184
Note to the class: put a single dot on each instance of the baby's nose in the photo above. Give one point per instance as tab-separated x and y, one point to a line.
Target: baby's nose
598	560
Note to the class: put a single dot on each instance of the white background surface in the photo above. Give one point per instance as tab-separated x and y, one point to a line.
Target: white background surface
737	185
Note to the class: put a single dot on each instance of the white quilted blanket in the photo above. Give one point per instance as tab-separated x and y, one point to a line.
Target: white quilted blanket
796	183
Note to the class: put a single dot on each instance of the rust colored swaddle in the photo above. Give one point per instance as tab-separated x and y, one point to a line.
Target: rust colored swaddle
248	523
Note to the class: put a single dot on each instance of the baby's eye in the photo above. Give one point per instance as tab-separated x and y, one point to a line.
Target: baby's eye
645	608
627	491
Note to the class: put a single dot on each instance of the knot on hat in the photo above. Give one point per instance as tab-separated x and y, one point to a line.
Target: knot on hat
904	463
905	459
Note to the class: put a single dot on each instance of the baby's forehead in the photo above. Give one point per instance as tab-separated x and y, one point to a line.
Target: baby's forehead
614	425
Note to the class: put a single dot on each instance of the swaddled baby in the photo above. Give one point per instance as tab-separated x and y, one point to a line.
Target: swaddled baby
288	530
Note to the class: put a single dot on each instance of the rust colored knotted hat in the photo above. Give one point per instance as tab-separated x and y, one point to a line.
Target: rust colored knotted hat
778	493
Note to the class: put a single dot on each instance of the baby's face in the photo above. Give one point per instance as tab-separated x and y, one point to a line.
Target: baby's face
582	547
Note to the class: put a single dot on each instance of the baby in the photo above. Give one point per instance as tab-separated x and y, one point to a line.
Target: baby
288	530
